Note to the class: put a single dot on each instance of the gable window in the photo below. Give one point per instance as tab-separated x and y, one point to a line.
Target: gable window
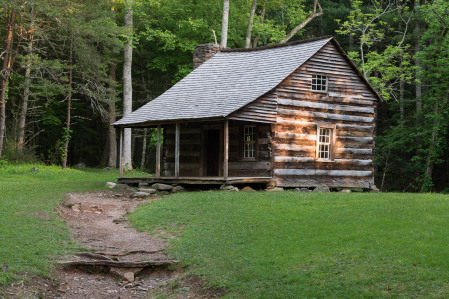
319	83
249	142
325	138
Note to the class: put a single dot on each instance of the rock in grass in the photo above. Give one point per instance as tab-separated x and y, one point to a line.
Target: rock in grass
139	194
275	189
178	189
162	187
321	188
121	186
305	190
111	184
229	188
374	189
147	190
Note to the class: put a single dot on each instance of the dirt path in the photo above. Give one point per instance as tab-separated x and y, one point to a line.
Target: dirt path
97	221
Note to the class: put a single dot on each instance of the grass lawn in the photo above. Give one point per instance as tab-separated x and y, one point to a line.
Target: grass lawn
30	233
292	244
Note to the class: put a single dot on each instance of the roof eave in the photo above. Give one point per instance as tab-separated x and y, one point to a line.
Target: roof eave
147	124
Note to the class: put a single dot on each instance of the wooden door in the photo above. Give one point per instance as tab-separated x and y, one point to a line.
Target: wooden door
212	152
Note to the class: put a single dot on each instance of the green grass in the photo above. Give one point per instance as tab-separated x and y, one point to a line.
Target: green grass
31	235
292	244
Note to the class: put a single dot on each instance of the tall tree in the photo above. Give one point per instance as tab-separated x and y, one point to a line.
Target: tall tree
127	81
67	131
225	24
8	62
250	24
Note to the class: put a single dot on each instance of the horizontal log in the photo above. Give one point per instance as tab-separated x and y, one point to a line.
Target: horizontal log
295	136
355	139
322	172
356	151
340	95
355	127
249	165
184	154
278	159
354	162
290	147
186	166
329	71
315	105
339	117
295	182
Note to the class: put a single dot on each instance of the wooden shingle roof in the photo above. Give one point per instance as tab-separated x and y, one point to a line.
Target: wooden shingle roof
225	83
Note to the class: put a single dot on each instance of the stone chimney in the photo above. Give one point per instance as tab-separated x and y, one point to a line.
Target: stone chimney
203	53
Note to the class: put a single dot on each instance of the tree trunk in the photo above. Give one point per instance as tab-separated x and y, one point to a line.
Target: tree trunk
418	91
112	140
144	149
127	83
262	19
401	99
430	161
224	24
6	69
305	22
26	95
69	106
250	24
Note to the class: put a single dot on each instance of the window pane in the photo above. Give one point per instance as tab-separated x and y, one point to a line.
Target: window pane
324	143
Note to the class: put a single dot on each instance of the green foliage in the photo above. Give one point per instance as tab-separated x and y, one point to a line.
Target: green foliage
291	244
381	67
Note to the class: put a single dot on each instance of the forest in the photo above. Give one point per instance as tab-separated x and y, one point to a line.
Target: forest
70	68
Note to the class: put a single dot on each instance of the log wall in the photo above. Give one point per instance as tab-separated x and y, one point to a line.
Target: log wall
190	149
261	110
348	105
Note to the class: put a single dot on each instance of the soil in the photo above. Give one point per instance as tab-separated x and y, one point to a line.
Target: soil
97	221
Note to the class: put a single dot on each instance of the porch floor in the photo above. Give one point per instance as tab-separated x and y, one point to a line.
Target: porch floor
196	180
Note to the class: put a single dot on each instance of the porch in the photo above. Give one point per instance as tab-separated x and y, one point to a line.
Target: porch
208	153
196	180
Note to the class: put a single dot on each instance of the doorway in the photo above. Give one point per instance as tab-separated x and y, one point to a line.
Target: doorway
212	152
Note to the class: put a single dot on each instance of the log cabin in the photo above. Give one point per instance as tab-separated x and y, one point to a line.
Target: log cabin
298	114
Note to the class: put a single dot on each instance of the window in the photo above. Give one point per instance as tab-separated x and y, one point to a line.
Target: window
324	143
249	142
319	83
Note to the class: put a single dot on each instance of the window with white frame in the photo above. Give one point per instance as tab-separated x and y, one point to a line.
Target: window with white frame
249	142
324	143
319	83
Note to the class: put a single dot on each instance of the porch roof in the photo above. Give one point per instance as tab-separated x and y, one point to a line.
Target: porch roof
225	83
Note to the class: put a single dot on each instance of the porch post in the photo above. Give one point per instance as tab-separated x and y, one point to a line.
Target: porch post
122	158
226	149
177	137
158	152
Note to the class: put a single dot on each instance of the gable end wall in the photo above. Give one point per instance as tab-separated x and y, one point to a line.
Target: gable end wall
349	105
